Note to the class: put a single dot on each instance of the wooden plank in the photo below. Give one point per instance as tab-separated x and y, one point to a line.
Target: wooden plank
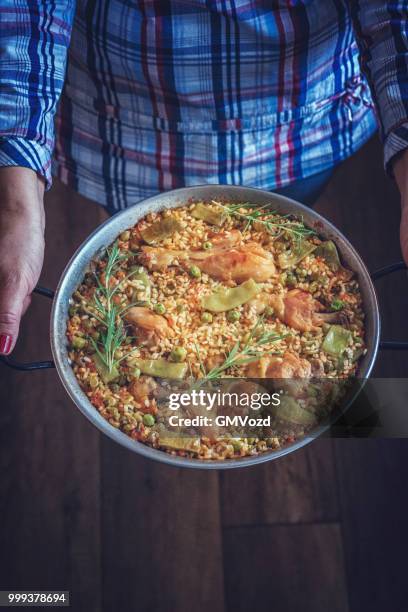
48	453
298	568
297	488
161	534
374	505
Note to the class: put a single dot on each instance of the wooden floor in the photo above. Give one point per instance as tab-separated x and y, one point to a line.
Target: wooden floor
324	529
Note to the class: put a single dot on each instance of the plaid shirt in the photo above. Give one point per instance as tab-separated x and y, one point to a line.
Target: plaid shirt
165	93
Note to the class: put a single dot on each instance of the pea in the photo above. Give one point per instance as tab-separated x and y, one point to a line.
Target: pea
290	279
233	316
195	272
207	245
148	420
159	309
180	307
206	317
337	305
136	372
178	354
269	311
78	342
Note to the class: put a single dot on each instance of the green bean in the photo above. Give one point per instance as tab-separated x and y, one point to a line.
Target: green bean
227	299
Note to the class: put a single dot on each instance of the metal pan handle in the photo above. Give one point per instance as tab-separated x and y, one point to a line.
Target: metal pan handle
31	365
395	267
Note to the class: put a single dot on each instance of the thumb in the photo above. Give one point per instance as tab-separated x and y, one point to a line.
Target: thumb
13	298
404	233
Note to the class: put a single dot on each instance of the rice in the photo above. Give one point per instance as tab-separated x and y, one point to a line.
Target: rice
202	260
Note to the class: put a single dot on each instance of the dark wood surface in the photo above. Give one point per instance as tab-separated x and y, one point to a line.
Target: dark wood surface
322	529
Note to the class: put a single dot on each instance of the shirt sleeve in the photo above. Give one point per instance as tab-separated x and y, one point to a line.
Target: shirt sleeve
382	34
34	38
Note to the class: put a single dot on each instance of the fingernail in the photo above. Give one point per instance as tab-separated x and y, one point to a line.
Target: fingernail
5	344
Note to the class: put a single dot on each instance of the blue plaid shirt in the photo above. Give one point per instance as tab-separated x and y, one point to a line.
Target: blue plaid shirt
165	93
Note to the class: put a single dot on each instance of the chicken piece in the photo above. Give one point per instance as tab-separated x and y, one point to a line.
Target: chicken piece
213	361
149	327
262	300
225	239
257	369
300	309
290	372
142	388
302	312
278	305
158	258
222	262
210	431
237	389
238	264
287	366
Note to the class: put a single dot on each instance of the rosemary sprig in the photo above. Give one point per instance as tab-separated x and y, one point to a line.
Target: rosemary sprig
241	355
108	313
262	215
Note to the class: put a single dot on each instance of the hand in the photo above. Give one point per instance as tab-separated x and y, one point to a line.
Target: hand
401	176
22	224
